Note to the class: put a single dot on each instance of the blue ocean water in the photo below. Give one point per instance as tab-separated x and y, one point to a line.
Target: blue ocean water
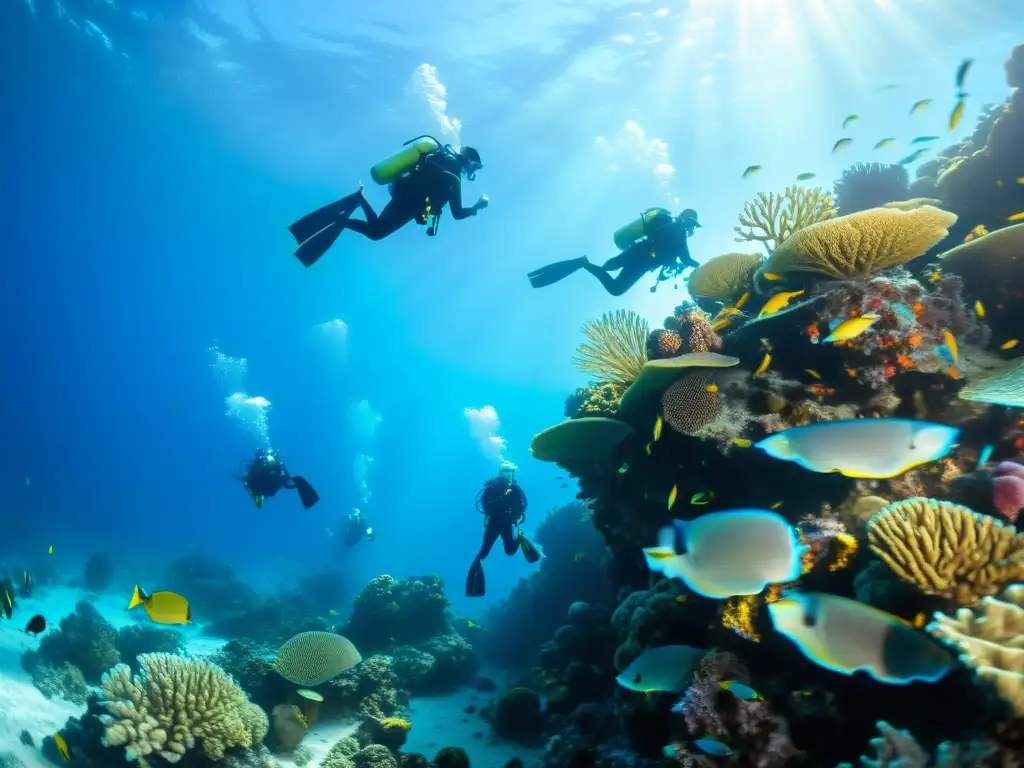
153	155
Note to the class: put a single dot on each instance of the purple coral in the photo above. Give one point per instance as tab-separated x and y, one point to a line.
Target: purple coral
1008	489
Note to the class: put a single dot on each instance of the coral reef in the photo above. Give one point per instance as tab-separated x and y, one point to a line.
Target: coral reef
616	347
84	640
870	185
725	278
370	688
65	682
389	612
518	716
311	658
134	641
772	218
347	753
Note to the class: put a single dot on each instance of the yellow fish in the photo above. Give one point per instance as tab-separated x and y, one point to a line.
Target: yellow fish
680	598
62	747
719	324
701	498
978	231
658	424
647	449
776	505
742	442
711	388
473	625
672	496
578	556
742	300
777	302
919	405
951	345
162	607
956	115
841	144
1020	180
919	106
849	120
764	364
751	170
979	309
771	276
935	276
728	312
1009	344
813	373
1016	217
885	143
851	328
50	550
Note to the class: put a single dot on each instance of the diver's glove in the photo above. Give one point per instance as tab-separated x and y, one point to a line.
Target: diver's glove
482	203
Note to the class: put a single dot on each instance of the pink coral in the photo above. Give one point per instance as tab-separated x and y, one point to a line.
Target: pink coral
1008	489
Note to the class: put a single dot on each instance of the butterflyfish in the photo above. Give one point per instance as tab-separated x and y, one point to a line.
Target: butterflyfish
846	636
162	607
841	144
851	328
724	554
667	668
777	302
862	448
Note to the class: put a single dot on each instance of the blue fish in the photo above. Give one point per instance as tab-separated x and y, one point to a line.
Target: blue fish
984	455
740	691
712	746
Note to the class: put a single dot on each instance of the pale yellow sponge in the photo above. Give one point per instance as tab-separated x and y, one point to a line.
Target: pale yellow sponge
946	549
174	703
991	639
861	244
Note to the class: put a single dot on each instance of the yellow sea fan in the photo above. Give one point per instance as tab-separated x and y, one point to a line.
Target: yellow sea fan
946	549
724	278
771	219
616	347
861	244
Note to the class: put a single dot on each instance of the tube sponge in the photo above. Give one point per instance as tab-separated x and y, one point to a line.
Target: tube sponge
172	704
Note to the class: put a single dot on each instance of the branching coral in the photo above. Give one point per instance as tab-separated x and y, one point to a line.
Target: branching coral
616	349
861	244
947	550
724	278
991	639
895	748
771	218
174	703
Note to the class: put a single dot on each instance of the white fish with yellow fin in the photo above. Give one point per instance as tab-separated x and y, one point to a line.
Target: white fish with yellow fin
777	302
862	448
851	328
724	554
845	636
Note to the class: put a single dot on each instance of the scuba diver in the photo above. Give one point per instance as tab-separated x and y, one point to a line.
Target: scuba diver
656	240
356	528
266	474
422	178
503	505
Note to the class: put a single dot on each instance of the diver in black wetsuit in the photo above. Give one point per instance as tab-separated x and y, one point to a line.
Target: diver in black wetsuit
663	246
356	529
503	503
266	474
418	194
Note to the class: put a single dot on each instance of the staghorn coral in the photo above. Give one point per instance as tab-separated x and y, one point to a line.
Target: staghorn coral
991	640
946	549
579	441
895	748
861	244
174	703
771	218
724	278
692	402
616	347
870	185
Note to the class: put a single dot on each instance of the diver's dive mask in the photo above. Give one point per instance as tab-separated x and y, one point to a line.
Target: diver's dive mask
688	218
472	166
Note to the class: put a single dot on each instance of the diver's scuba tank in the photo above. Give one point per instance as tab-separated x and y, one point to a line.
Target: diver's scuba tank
626	236
405	160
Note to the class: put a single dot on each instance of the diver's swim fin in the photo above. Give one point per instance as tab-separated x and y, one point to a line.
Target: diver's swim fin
307	495
552	273
317	231
529	551
476	585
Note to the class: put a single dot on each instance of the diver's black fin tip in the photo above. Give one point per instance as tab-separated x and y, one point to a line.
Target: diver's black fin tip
307	494
476	585
529	551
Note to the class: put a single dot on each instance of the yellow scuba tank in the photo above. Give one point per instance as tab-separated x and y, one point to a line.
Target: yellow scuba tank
391	168
625	236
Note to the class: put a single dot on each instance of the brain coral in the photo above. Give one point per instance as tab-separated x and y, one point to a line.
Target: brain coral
172	704
861	244
724	278
312	658
692	402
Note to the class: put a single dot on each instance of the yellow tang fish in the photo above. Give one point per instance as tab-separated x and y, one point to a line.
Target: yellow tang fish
162	607
777	302
764	364
841	144
1016	217
658	424
935	276
919	106
742	300
851	328
711	388
771	276
1009	344
979	309
884	143
849	120
956	115
742	442
812	372
672	496
62	747
701	498
751	170
951	345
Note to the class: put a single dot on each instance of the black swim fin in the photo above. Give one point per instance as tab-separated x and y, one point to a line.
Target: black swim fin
476	585
552	273
317	231
529	551
307	495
